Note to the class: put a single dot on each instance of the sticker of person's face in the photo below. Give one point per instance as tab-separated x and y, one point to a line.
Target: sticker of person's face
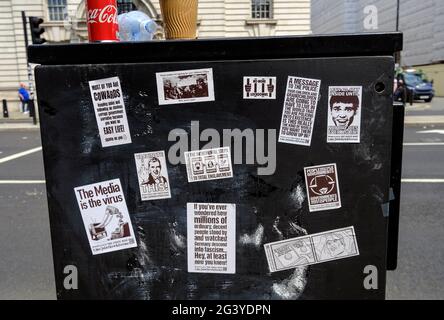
343	114
335	244
154	168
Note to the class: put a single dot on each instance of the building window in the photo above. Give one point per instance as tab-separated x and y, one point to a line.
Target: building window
57	10
261	9
125	6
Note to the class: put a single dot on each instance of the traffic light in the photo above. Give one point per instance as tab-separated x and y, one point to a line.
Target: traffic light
36	30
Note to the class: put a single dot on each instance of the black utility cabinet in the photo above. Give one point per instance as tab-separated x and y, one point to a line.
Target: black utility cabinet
266	209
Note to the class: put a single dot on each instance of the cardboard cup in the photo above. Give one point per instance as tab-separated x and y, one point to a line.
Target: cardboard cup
180	18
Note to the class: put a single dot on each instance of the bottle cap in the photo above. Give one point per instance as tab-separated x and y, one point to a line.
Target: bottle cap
149	25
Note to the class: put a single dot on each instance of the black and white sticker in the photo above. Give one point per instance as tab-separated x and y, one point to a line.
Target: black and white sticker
110	111
208	164
344	114
259	87
105	216
298	115
185	86
211	230
152	173
311	249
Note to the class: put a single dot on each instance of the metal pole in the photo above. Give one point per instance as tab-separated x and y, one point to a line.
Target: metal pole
25	31
5	109
31	105
395	184
397	54
32	113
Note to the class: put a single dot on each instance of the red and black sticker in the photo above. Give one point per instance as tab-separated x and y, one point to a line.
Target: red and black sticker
322	187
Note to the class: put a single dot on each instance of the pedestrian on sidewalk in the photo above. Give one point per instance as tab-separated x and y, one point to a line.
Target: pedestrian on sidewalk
24	98
400	93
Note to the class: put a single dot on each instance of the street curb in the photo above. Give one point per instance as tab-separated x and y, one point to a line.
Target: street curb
423	120
18	126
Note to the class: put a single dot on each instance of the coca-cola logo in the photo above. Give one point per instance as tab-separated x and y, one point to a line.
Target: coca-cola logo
107	14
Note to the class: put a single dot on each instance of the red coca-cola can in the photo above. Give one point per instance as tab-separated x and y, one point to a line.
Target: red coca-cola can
102	20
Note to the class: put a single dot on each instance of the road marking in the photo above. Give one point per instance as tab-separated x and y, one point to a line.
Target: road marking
422	180
416	120
418	107
19	155
22	181
431	131
407	144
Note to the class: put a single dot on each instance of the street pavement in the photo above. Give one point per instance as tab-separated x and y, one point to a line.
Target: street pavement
26	270
420	274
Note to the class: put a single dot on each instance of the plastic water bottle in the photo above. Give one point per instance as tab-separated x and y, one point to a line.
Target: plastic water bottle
136	26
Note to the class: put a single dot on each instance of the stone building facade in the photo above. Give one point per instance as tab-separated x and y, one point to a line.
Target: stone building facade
65	22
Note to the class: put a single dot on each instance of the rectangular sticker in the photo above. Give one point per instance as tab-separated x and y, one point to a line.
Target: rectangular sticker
322	185
110	111
311	249
185	86
208	164
105	216
211	233
298	115
259	87
344	114
152	173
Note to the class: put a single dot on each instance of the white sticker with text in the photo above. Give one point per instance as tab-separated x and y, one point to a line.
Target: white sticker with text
110	112
298	115
208	164
211	233
105	216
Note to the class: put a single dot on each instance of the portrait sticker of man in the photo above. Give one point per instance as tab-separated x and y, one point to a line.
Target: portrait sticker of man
154	172
153	175
343	110
344	114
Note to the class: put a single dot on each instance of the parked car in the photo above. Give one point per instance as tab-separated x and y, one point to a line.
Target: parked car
415	85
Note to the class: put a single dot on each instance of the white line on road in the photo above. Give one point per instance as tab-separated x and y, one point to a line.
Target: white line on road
20	154
422	180
424	144
431	131
22	181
